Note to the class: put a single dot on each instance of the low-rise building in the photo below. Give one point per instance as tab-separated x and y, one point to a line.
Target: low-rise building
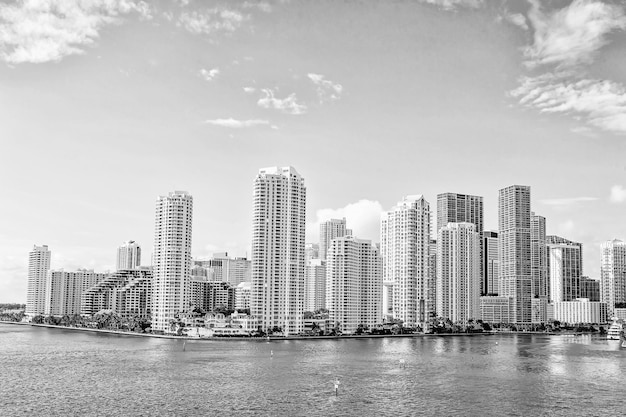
495	309
580	310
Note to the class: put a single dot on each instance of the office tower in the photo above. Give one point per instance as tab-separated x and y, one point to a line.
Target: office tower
590	288
171	258
65	289
565	267
128	256
462	208
126	292
315	285
405	239
613	274
242	295
432	279
458	272
353	283
490	262
278	231
38	267
330	230
514	250
538	256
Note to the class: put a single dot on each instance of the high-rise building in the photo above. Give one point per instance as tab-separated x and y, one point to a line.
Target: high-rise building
590	288
431	296
38	267
458	272
212	296
613	274
405	239
353	283
242	295
315	285
311	251
565	267
222	268
64	290
171	258
128	256
490	262
514	251
462	208
538	256
330	230
278	232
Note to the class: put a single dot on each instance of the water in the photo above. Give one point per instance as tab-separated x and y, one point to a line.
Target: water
48	372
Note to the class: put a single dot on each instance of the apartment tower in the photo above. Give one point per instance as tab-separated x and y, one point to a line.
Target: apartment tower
613	274
330	230
171	258
128	256
565	268
38	267
278	232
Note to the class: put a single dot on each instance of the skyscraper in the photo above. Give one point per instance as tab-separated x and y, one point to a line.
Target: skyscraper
315	285
458	272
462	208
613	274
565	268
405	239
38	267
330	230
128	256
514	250
278	232
64	290
353	283
490	262
538	256
171	258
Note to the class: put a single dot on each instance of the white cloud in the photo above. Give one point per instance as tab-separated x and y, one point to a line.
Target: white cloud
249	90
567	201
211	21
39	31
517	19
363	217
238	124
326	89
260	5
287	105
452	4
209	75
602	103
571	35
618	194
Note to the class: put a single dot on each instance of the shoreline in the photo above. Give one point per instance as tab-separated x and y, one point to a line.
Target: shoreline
279	338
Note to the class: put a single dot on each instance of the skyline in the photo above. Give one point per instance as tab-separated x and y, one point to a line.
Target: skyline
111	106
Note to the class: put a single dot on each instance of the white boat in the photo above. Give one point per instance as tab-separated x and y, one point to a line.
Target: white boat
615	330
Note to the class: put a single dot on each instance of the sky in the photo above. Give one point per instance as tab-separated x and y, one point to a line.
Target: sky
107	104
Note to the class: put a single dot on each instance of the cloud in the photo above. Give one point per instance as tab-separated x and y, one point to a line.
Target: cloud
238	124
517	19
249	90
452	4
363	217
260	5
618	194
209	75
602	103
39	31
566	201
287	105
216	20
571	35
326	89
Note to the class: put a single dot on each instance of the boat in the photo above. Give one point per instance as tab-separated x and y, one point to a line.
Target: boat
615	330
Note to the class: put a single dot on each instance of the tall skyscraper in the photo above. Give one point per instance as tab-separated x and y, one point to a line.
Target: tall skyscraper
462	208
515	279
128	256
315	285
405	239
171	258
458	272
278	232
565	268
490	262
538	256
353	283
64	290
613	274
38	267
330	230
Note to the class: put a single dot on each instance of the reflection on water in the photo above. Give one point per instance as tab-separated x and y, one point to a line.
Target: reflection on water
55	372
